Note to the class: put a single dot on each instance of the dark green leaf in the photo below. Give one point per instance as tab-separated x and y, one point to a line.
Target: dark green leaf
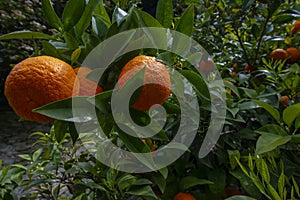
271	110
118	15
185	24
126	181
73	132
63	110
272	128
164	13
25	35
191	181
51	15
197	81
60	129
142	191
72	13
101	13
291	113
218	177
269	141
71	40
86	17
50	50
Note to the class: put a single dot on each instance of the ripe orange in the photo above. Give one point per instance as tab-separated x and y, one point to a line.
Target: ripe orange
284	100
296	27
184	196
232	74
157	83
206	66
294	54
279	54
247	68
37	81
87	86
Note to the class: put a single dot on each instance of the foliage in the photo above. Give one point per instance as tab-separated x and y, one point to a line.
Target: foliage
259	147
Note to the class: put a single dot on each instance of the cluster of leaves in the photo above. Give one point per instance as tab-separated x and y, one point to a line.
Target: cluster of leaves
259	147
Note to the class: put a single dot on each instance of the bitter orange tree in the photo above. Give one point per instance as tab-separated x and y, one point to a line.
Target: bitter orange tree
157	84
37	81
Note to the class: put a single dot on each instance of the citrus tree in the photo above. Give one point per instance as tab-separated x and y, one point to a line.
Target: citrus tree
257	154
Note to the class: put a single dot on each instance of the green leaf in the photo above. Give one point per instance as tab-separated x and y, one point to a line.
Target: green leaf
25	157
86	17
142	191
72	13
272	128
63	110
73	132
240	197
281	184
75	55
296	186
93	185
160	181
60	129
250	92
51	15
101	13
232	87
164	12
218	177
273	192
291	113
191	181
270	109
118	15
264	171
185	24
37	154
25	35
197	81
233	155
269	141
126	181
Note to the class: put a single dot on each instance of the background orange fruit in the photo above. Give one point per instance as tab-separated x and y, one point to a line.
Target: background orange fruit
37	81
279	54
294	54
184	196
296	27
87	86
207	66
155	72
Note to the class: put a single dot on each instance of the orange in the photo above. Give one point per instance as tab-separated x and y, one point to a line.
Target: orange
87	86
247	68
184	196
37	81
294	54
232	74
157	83
206	67
284	100
296	27
279	54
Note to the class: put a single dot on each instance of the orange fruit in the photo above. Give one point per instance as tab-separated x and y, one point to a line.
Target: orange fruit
279	54
207	66
284	100
296	27
37	81
87	86
235	65
157	83
184	196
233	73
247	68
294	54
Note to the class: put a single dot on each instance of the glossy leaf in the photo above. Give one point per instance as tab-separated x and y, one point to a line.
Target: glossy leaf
72	13
269	141
191	181
25	35
51	15
197	81
291	113
101	13
185	24
86	17
63	110
60	129
164	12
142	191
271	110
